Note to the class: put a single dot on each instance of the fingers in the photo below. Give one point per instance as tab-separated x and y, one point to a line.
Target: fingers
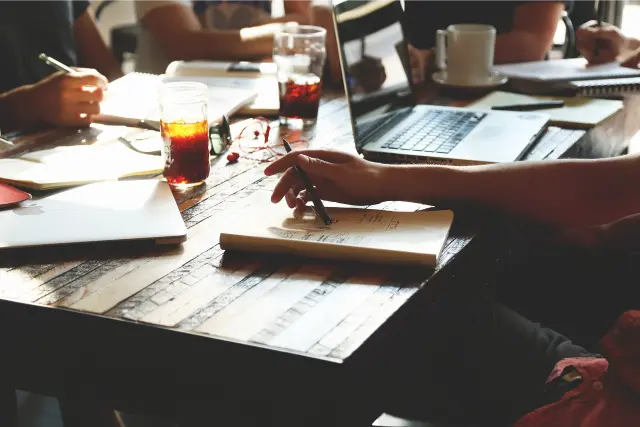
77	120
286	183
301	201
632	60
86	108
605	53
85	95
85	78
291	159
591	31
608	39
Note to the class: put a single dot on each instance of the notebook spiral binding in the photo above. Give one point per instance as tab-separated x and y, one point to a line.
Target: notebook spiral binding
608	87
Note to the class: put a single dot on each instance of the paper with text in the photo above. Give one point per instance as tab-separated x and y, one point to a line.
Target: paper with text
362	234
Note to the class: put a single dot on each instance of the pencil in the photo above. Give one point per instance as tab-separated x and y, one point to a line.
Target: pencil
596	46
317	203
55	63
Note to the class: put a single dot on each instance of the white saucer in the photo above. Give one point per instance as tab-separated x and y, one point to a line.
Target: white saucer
494	80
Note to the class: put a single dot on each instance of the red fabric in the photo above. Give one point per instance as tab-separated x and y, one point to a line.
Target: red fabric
609	395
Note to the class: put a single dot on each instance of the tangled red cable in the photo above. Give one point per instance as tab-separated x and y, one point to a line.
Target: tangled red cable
260	126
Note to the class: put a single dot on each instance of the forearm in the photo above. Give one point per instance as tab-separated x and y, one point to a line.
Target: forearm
564	193
92	50
15	110
221	45
519	46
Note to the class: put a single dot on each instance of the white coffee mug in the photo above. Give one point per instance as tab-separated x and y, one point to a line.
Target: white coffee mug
466	52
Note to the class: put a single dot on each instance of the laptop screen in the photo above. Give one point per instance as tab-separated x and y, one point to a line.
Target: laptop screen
374	61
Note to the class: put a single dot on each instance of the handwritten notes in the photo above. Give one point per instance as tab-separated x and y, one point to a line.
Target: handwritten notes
362	234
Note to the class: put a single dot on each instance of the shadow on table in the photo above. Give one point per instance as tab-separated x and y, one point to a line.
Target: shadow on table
10	258
408	275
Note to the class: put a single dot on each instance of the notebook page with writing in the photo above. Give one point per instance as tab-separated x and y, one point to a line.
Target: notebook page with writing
367	235
564	70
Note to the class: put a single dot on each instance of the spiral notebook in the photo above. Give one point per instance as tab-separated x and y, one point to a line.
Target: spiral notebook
607	87
565	70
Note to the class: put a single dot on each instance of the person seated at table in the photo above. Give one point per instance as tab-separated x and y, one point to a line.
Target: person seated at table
32	93
612	45
525	29
557	194
220	30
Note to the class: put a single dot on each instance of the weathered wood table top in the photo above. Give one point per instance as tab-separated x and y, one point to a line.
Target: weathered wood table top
317	311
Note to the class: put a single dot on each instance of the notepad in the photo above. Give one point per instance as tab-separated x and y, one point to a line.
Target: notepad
564	70
607	87
77	165
134	97
265	83
366	235
578	112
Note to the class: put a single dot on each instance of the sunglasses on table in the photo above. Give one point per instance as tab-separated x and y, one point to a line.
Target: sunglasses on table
219	139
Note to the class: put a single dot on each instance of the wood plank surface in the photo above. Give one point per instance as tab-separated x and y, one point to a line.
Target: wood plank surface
318	308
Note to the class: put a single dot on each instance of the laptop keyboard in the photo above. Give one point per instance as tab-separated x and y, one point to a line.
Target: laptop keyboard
434	131
556	140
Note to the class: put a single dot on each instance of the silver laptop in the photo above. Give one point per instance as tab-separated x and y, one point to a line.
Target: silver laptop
102	212
388	126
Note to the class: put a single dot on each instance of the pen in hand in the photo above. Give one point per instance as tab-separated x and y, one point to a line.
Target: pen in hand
55	63
317	203
6	143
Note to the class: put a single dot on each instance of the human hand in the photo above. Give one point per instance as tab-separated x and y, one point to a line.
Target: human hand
631	60
620	235
419	62
337	177
68	99
611	42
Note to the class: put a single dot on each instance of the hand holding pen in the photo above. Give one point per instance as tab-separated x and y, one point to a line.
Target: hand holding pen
68	98
321	211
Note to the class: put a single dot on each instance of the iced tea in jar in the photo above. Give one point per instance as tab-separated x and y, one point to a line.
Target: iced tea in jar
185	131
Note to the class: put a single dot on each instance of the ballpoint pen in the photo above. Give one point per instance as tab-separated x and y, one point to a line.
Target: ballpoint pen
55	63
317	203
6	143
530	106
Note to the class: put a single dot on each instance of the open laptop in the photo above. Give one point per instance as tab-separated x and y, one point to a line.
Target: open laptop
388	126
102	212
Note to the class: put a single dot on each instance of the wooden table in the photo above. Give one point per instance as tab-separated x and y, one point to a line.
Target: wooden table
298	341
